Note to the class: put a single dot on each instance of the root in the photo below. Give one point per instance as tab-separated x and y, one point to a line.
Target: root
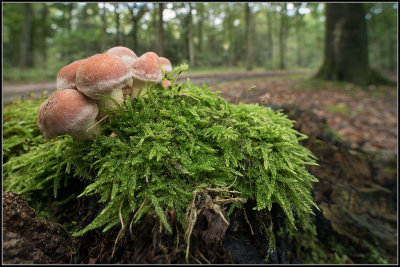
191	221
248	222
122	231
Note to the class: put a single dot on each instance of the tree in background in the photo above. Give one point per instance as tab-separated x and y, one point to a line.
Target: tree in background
346	45
382	34
205	35
160	32
26	43
283	30
137	12
249	37
190	35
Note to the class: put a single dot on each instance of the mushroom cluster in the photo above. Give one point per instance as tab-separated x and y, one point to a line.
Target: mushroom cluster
75	107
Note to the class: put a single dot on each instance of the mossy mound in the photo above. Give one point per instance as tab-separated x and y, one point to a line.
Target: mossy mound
167	150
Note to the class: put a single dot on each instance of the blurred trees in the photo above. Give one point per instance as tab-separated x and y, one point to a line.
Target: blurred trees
244	35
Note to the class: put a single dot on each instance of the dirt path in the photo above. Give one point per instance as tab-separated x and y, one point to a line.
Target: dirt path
14	91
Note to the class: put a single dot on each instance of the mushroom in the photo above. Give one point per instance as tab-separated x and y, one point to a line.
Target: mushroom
70	112
165	65
145	69
123	52
67	75
103	74
129	57
166	83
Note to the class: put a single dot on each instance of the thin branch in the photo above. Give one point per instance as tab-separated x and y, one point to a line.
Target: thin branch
105	117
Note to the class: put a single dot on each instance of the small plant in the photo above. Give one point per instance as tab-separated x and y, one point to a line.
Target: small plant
159	152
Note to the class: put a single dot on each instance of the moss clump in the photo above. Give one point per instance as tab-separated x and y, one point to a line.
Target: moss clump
19	127
157	152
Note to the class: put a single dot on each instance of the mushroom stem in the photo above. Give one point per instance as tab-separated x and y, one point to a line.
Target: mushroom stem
117	95
136	86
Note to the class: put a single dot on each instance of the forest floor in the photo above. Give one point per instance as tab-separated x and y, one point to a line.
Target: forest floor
364	117
367	118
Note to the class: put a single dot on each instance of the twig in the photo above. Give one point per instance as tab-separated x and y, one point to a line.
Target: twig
190	97
230	199
105	117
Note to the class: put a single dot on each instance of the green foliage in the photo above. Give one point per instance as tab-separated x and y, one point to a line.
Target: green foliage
345	111
20	130
168	145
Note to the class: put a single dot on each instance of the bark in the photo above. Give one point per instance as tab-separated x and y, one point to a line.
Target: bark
346	46
190	36
160	34
26	55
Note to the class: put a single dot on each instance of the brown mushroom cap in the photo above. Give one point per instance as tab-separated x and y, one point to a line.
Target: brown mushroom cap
147	68
67	75
123	52
66	112
102	74
165	64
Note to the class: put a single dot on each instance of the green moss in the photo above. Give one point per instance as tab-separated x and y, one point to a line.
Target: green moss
345	111
20	130
168	147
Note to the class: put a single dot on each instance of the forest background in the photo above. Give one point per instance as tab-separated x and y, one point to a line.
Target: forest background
40	38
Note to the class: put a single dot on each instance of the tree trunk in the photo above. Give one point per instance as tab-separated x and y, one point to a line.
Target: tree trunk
69	20
135	22
190	37
134	34
346	46
391	47
249	63
200	12
282	37
160	34
103	28
26	55
117	27
43	31
270	47
299	19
